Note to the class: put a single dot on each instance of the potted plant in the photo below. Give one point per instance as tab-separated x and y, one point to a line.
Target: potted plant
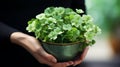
63	32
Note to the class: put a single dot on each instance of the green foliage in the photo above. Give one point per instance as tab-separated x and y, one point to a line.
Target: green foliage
63	25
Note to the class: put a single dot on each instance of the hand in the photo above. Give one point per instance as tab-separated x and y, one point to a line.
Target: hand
33	46
77	61
80	58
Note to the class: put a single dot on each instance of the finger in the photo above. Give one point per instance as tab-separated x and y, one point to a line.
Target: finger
39	50
80	59
69	63
58	65
63	64
47	56
43	60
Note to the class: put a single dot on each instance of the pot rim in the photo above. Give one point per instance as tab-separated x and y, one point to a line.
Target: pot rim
62	44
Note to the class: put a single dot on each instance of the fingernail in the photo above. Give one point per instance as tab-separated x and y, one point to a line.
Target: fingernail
71	63
67	64
54	60
74	64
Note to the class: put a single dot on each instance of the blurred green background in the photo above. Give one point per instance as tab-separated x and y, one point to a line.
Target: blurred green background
105	13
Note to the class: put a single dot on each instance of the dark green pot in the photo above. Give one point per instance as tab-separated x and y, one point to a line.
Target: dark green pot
62	51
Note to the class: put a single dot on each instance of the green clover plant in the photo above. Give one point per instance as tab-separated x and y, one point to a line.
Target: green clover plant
63	25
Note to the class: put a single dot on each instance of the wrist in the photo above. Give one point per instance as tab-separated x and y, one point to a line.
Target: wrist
19	38
28	42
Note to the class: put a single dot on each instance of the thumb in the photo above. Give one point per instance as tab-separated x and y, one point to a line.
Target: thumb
51	58
47	56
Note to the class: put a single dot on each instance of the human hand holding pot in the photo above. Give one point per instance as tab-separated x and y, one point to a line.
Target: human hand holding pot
33	46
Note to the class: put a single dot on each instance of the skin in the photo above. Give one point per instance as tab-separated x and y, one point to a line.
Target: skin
33	46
